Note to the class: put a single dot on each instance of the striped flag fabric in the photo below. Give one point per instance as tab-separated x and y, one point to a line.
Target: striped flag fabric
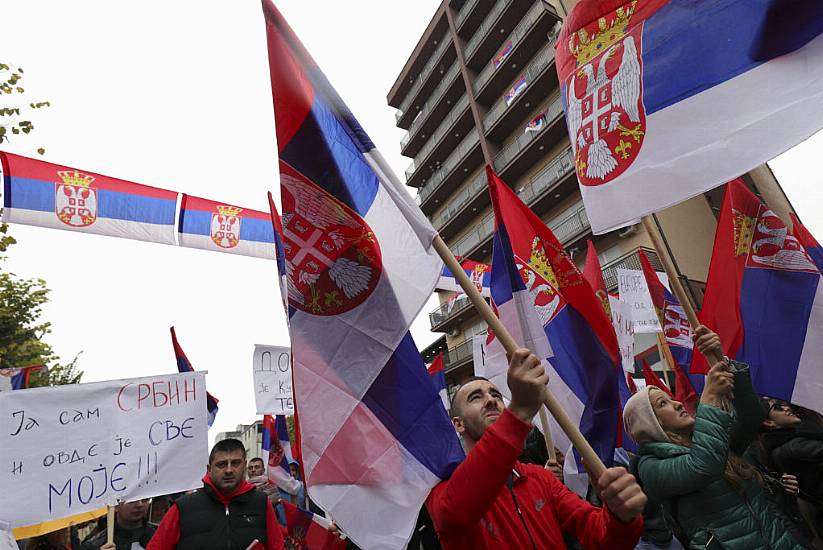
277	454
309	531
20	379
805	237
183	365
438	376
360	266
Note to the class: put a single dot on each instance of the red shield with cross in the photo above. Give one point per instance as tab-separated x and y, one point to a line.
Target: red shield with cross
225	226
333	258
75	205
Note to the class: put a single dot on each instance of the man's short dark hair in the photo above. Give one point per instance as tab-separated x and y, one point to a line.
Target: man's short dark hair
227	446
257	458
455	410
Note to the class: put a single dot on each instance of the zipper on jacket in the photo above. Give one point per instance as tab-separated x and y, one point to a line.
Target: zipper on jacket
522	519
228	529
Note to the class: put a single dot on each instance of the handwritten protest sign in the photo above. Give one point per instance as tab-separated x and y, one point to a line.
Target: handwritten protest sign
272	380
624	327
631	284
71	449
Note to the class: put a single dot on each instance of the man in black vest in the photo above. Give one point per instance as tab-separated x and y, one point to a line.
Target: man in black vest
227	513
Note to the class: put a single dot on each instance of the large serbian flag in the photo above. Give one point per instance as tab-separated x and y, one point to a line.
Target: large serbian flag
547	305
764	297
666	99
50	195
222	227
361	266
478	273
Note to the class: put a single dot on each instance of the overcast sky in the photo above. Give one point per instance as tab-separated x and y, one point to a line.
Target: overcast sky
175	94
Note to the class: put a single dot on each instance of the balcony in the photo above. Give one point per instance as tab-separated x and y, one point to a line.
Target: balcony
540	77
452	128
434	109
470	15
571	225
444	55
441	182
461	207
456	357
449	315
528	37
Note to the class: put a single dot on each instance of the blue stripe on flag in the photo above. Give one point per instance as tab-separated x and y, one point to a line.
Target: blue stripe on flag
504	282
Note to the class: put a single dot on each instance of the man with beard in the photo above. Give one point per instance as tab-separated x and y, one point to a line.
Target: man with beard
227	513
494	501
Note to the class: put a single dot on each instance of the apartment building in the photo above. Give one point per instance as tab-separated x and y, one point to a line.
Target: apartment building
481	88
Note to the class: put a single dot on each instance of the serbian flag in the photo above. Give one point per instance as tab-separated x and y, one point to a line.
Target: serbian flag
36	192
280	253
543	299
220	227
676	327
277	454
20	379
764	298
308	531
593	273
361	266
808	241
438	377
478	273
653	380
183	365
666	99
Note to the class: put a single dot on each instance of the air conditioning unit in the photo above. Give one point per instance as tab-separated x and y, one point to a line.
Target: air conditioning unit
627	231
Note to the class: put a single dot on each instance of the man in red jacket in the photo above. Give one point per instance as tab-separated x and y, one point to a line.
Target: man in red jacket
227	513
494	501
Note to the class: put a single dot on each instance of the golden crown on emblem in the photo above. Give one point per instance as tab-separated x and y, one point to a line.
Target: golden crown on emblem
226	210
743	233
73	177
585	48
540	263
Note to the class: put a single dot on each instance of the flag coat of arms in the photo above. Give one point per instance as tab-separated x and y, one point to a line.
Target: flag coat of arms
478	273
547	305
360	268
666	99
221	227
764	298
277	454
50	195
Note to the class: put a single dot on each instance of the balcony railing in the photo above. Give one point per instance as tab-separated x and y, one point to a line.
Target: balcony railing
538	65
425	72
433	100
469	142
477	235
572	224
485	27
459	200
464	12
515	37
456	112
448	310
514	148
458	355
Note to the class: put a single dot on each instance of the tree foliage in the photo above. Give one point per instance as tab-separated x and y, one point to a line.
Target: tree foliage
14	112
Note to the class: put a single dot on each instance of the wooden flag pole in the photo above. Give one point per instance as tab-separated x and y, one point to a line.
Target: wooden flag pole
674	281
665	357
593	462
110	525
547	434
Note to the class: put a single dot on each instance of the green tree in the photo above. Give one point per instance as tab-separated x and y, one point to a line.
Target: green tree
14	110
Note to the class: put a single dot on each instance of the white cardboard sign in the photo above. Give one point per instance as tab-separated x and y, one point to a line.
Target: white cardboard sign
624	328
75	448
272	380
633	289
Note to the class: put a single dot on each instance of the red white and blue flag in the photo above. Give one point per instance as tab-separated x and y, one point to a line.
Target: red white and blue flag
478	273
802	234
361	266
519	85
40	193
220	227
676	327
438	376
20	379
547	305
277	454
764	298
666	99
503	54
280	253
183	365
308	531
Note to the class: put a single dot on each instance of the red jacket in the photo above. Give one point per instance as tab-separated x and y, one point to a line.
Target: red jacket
476	509
168	532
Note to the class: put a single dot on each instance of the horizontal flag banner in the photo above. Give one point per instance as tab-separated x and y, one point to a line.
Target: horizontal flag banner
219	227
40	193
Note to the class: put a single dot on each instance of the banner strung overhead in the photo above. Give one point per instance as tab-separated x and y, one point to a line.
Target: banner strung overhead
72	449
272	380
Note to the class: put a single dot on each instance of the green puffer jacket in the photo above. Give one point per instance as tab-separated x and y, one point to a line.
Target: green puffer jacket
690	479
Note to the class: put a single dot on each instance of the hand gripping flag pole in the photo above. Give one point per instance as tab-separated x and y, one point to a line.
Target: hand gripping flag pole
593	462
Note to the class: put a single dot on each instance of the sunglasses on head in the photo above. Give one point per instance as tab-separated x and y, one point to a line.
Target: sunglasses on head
784	407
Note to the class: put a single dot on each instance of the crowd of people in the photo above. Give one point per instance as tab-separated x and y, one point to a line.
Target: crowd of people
743	472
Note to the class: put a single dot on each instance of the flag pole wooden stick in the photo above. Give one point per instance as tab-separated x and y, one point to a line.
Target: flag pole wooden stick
593	462
547	434
110	525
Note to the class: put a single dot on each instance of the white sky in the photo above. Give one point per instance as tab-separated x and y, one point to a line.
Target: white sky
176	94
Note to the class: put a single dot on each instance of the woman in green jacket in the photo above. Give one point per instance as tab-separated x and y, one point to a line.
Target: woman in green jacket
692	464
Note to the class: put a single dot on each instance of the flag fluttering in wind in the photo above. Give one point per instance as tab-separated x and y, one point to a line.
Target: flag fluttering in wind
478	273
36	192
20	379
360	266
547	305
653	380
183	365
277	454
309	531
438	376
764	298
808	241
660	96
593	273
